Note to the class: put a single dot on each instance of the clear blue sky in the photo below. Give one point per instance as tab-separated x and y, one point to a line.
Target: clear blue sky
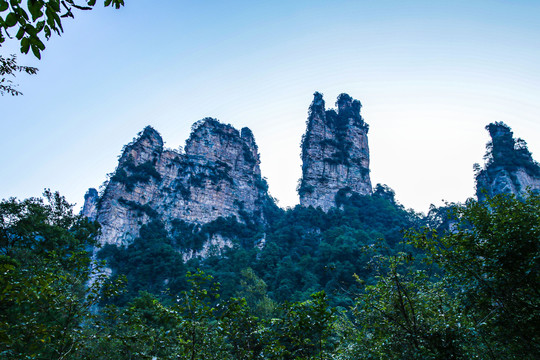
430	75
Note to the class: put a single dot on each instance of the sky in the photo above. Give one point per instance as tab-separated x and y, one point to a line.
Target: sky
430	75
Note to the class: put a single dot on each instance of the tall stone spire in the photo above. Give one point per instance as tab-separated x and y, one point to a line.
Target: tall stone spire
335	153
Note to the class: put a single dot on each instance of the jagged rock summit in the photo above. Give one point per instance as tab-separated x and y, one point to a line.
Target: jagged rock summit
335	153
217	175
509	168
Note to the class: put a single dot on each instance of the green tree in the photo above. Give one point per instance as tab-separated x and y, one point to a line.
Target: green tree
492	260
247	336
150	263
305	328
474	296
143	329
254	290
408	314
45	300
201	337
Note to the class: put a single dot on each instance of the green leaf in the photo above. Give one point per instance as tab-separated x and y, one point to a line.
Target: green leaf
50	18
35	50
25	45
40	44
22	14
31	30
11	20
39	26
3	5
36	42
20	33
54	5
35	9
58	21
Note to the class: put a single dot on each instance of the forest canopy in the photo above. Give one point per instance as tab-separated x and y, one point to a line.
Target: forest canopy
467	293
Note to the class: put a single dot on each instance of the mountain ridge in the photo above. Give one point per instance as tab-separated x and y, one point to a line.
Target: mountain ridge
217	178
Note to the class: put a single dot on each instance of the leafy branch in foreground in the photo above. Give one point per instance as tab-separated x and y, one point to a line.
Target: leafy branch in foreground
36	20
8	67
32	22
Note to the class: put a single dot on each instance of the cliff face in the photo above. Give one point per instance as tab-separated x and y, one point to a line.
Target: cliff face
335	153
217	175
509	168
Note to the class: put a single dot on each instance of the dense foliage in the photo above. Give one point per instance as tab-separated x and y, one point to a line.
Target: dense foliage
45	297
299	251
492	265
468	293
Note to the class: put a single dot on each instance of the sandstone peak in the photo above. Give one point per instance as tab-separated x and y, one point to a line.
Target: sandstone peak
247	135
347	106
151	134
91	193
218	175
318	102
335	152
146	147
509	168
211	140
208	123
148	138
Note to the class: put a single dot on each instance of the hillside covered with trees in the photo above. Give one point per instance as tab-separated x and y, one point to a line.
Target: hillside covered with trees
344	288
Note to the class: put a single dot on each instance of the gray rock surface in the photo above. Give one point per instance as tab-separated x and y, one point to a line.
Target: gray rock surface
217	175
335	153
